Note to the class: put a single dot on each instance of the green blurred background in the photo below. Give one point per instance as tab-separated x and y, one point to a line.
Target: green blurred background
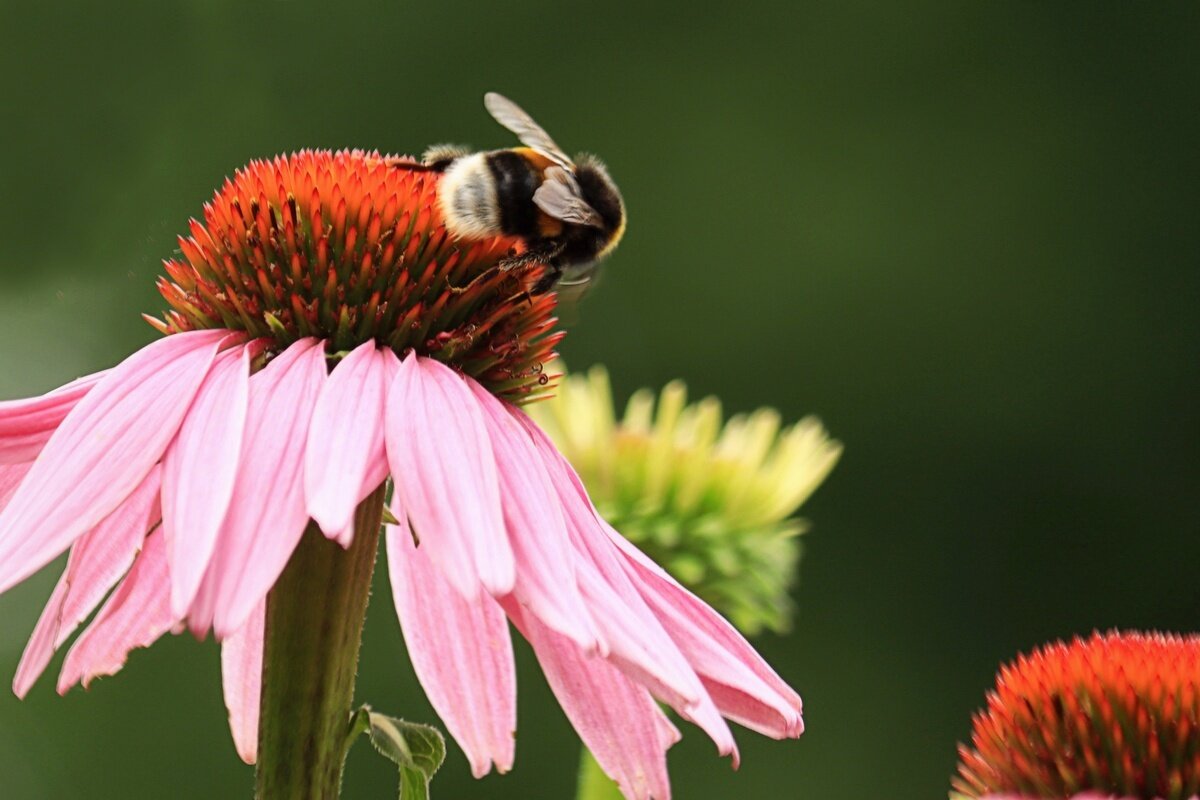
963	234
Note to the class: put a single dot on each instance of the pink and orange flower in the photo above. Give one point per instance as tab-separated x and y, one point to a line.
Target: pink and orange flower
325	335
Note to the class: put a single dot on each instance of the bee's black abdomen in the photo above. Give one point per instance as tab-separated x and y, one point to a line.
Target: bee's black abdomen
516	182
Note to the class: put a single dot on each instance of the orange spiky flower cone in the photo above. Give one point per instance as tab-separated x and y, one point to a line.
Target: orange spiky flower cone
1114	715
349	247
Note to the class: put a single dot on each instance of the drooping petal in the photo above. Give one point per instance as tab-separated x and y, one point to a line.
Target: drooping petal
345	459
105	553
11	476
640	646
743	686
637	640
138	612
26	425
668	734
617	719
643	650
40	648
378	469
97	561
445	474
199	470
545	561
102	450
759	713
741	683
460	650
241	682
267	514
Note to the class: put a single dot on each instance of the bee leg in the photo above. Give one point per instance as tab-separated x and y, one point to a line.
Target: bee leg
544	283
435	159
509	263
541	252
460	289
413	166
547	281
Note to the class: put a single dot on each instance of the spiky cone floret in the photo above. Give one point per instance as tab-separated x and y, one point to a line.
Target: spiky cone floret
1114	715
347	247
324	337
1082	796
712	502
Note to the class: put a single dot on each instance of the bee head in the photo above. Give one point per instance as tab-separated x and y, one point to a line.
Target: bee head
600	192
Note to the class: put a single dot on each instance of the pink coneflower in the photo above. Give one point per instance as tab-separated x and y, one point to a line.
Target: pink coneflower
1113	716
326	335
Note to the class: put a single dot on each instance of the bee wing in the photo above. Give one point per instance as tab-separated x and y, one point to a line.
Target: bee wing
513	117
560	197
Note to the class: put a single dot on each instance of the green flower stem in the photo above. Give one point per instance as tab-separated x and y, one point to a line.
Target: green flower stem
314	626
593	783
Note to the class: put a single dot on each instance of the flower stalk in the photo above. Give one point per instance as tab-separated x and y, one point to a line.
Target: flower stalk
593	783
314	625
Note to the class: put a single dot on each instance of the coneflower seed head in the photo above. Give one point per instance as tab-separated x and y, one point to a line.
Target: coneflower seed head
348	247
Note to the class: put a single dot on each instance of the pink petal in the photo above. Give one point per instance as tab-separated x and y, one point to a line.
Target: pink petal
377	464
445	474
266	515
26	425
345	460
11	476
640	646
638	642
668	734
41	645
461	652
753	712
198	472
344	537
97	561
105	553
617	720
138	612
742	684
643	650
241	681
102	450
707	716
545	577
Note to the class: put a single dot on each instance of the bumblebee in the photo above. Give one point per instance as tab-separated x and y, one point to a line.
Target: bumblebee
569	213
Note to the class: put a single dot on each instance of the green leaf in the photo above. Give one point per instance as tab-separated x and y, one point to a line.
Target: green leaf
418	750
388	517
